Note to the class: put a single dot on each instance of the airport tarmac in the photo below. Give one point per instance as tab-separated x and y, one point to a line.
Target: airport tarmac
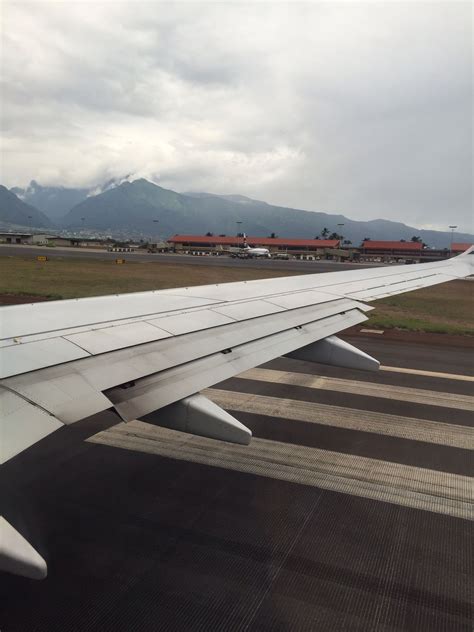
142	257
350	510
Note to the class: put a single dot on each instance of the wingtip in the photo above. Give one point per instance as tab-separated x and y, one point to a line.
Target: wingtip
469	251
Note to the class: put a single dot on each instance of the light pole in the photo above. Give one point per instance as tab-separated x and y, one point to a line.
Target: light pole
340	226
451	244
156	221
29	227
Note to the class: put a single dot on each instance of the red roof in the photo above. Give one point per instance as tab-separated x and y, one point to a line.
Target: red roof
254	241
461	247
392	245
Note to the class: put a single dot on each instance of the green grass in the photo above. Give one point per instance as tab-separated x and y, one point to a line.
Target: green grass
74	278
445	308
417	324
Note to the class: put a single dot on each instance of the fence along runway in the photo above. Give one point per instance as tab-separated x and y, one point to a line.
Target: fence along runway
390	481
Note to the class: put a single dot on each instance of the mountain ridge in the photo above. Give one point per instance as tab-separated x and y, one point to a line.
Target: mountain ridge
15	211
142	207
198	213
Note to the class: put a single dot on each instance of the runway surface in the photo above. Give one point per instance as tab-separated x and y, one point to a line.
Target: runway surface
226	261
351	509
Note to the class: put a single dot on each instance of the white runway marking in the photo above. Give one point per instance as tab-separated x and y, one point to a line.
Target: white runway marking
447	376
340	417
399	393
404	485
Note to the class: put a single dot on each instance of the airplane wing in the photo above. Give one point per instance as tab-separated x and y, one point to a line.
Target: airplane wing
147	355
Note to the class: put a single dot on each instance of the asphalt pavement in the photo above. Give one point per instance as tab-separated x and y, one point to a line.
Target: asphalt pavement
222	260
350	510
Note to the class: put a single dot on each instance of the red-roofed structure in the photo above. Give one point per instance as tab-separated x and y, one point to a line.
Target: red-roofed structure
391	250
406	246
457	247
267	242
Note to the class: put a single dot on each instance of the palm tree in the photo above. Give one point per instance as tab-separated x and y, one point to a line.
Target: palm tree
416	240
324	233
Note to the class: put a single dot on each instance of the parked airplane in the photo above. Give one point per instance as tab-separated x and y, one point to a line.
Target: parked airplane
251	252
147	355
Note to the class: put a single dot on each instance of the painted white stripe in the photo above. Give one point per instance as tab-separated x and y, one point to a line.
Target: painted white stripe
399	393
340	417
447	376
404	485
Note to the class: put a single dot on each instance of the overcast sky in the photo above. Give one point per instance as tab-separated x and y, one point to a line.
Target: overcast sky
359	108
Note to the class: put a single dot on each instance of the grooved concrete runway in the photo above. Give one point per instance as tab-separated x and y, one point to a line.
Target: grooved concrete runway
350	510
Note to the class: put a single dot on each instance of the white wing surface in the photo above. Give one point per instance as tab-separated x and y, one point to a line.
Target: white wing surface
147	355
63	361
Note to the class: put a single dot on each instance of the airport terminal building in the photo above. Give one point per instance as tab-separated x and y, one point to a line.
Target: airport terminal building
220	244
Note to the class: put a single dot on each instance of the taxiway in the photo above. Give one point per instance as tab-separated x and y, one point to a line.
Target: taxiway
142	257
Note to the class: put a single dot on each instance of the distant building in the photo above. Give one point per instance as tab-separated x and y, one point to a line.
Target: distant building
301	248
391	251
458	248
41	239
15	238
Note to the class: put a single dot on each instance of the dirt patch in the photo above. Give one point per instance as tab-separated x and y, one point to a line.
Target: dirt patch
20	299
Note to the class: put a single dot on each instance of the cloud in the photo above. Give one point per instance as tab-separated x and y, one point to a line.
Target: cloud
361	108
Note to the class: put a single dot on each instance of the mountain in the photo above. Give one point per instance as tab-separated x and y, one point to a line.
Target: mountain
15	211
135	206
54	202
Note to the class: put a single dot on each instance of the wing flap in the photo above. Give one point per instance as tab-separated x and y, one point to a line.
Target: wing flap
67	395
163	388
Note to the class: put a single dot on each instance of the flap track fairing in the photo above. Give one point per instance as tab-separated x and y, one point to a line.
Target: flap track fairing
332	350
198	415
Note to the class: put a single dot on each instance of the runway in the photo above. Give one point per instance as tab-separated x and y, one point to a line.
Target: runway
177	259
351	509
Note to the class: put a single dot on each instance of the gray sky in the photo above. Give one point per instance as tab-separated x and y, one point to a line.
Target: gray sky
359	108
